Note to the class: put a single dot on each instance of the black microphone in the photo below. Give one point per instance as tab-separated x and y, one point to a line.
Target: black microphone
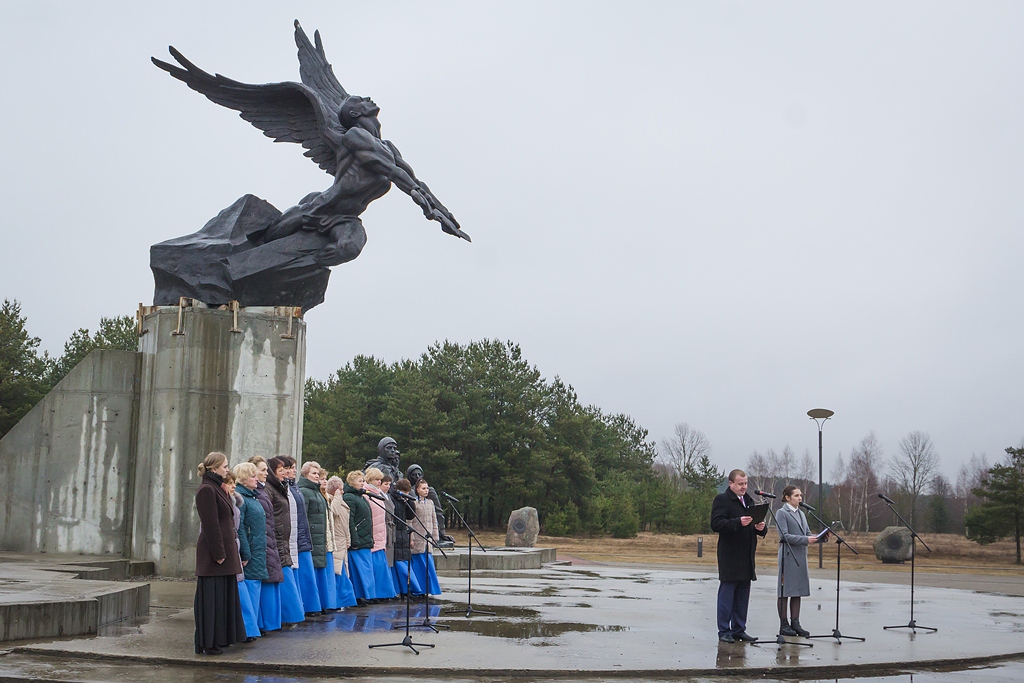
371	494
400	494
765	494
806	506
451	498
887	499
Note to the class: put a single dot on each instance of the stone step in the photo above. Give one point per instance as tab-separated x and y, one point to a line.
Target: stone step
494	559
44	598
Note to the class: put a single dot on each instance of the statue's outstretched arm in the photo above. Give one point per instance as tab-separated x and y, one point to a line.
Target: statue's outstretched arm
366	151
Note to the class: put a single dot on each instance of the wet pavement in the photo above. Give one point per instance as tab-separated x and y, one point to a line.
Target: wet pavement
588	623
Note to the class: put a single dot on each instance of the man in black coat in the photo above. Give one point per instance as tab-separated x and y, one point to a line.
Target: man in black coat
737	543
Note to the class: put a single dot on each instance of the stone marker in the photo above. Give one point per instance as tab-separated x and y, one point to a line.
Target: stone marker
523	527
894	545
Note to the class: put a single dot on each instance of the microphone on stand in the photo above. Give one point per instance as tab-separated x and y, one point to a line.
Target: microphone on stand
371	494
765	494
887	499
806	506
451	498
400	494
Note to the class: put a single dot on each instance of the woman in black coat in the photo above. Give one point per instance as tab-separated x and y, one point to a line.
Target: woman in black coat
218	611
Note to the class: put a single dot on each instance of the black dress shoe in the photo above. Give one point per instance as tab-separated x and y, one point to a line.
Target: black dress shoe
727	638
250	639
742	635
213	651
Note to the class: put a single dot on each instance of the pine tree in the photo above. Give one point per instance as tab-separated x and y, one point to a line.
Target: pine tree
1001	512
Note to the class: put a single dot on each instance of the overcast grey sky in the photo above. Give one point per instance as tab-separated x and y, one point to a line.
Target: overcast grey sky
719	213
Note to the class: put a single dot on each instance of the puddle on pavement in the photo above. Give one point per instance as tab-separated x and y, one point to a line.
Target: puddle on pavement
523	630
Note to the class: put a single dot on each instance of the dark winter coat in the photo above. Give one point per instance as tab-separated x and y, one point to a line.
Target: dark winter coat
305	540
274	574
736	543
277	491
360	520
252	536
404	510
216	530
316	513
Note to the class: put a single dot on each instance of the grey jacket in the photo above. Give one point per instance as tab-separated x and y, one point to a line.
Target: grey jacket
794	580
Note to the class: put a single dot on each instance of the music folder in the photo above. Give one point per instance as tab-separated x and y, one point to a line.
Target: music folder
758	512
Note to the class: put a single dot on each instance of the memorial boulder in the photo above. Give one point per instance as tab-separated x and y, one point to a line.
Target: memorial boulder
894	545
523	528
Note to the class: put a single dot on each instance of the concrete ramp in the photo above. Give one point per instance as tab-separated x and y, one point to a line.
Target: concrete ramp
46	598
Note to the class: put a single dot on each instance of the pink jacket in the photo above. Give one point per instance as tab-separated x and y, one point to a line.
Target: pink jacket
380	526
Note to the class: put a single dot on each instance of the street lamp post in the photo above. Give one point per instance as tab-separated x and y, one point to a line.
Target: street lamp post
820	417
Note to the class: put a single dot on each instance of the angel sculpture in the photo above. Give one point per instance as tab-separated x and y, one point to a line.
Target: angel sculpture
262	256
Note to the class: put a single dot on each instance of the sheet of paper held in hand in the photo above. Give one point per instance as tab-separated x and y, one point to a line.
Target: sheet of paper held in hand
822	534
758	512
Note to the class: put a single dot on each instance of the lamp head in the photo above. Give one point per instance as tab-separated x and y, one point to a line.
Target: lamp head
820	413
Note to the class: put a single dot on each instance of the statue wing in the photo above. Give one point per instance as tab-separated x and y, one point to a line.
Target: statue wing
316	72
286	112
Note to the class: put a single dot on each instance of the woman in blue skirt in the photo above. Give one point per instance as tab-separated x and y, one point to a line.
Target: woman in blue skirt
305	574
252	539
383	583
249	618
360	529
270	593
287	541
339	513
405	510
422	565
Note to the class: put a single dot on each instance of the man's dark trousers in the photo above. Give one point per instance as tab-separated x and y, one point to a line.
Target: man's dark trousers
733	597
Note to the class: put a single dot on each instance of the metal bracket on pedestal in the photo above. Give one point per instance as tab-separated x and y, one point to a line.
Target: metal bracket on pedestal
181	316
234	318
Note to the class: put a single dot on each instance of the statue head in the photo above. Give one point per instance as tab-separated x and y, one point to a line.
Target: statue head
414	474
357	110
387	450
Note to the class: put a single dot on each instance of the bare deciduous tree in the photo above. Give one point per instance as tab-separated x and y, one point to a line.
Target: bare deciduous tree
684	450
914	466
862	476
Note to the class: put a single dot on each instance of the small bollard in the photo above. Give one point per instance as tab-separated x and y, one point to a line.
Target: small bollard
700	546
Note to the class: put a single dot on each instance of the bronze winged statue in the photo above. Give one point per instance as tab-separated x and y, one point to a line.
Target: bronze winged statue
282	255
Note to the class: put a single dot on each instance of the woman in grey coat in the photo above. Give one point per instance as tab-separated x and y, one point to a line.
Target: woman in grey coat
794	580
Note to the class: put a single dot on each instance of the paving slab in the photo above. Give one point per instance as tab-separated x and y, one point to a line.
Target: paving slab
604	622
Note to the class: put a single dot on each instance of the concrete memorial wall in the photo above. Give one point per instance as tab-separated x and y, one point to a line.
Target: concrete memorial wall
106	463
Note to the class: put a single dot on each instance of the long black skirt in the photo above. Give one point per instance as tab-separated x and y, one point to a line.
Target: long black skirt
218	612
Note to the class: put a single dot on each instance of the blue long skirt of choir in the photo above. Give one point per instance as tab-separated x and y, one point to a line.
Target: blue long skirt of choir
383	582
325	585
249	597
307	583
361	565
270	607
343	587
423	568
400	572
291	600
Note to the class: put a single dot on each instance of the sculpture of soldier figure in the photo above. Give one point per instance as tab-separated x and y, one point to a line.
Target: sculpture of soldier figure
414	474
387	458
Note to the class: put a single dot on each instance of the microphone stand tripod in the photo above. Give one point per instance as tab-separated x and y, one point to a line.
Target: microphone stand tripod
840	542
469	542
780	639
912	625
407	641
427	623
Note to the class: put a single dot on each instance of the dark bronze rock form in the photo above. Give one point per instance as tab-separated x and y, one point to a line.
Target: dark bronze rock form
253	253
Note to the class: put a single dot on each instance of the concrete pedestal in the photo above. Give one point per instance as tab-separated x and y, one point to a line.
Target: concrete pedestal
210	380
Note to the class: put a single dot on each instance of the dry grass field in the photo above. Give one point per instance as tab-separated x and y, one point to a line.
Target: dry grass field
950	553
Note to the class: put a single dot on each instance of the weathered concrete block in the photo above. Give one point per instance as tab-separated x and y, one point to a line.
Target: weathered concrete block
213	387
894	545
523	528
66	465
